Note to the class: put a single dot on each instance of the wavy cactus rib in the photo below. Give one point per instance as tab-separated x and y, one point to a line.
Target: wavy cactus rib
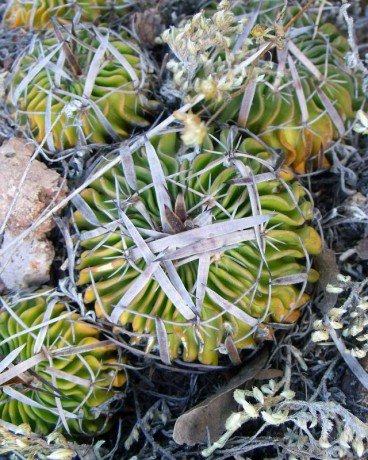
299	97
55	370
87	85
196	255
37	14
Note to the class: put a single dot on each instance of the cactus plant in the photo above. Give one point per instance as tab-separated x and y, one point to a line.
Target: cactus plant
298	97
181	251
87	85
37	14
56	371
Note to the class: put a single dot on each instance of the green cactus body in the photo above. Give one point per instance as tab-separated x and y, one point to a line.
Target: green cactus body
329	101
103	80
232	275
37	14
72	365
299	96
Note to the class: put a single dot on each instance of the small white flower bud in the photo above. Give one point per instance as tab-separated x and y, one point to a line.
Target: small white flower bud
357	353
343	279
274	419
61	454
288	394
336	325
320	336
323	442
234	421
358	446
258	395
334	289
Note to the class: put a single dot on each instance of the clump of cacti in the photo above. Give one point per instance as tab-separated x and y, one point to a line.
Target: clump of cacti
56	369
82	85
38	14
196	255
288	84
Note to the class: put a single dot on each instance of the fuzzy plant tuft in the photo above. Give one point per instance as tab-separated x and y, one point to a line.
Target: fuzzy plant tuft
195	253
83	85
38	14
56	372
286	82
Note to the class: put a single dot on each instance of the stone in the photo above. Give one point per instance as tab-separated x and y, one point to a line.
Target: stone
28	264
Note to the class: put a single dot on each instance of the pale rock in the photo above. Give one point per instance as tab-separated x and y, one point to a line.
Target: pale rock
28	264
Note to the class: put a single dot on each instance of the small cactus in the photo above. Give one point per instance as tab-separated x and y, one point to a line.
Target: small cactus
299	96
180	250
58	370
88	85
37	14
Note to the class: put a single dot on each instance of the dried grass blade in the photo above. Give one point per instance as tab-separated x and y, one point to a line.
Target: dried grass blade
122	60
134	289
48	122
246	104
299	90
68	377
302	58
163	342
248	27
30	402
256	207
210	231
263	177
73	350
30	330
61	413
290	279
101	118
85	210
220	243
32	73
204	263
95	67
159	183
4	363
334	114
107	228
232	351
160	275
232	309
20	368
69	55
45	326
128	167
57	70
354	365
179	285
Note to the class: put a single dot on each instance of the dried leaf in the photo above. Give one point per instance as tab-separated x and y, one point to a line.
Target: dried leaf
163	342
325	264
174	221
128	167
232	309
208	418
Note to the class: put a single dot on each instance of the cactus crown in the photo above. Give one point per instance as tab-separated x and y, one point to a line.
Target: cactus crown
196	253
87	85
58	370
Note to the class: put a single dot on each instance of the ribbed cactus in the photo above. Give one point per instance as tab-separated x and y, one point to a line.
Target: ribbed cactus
56	371
37	14
196	255
299	95
89	85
